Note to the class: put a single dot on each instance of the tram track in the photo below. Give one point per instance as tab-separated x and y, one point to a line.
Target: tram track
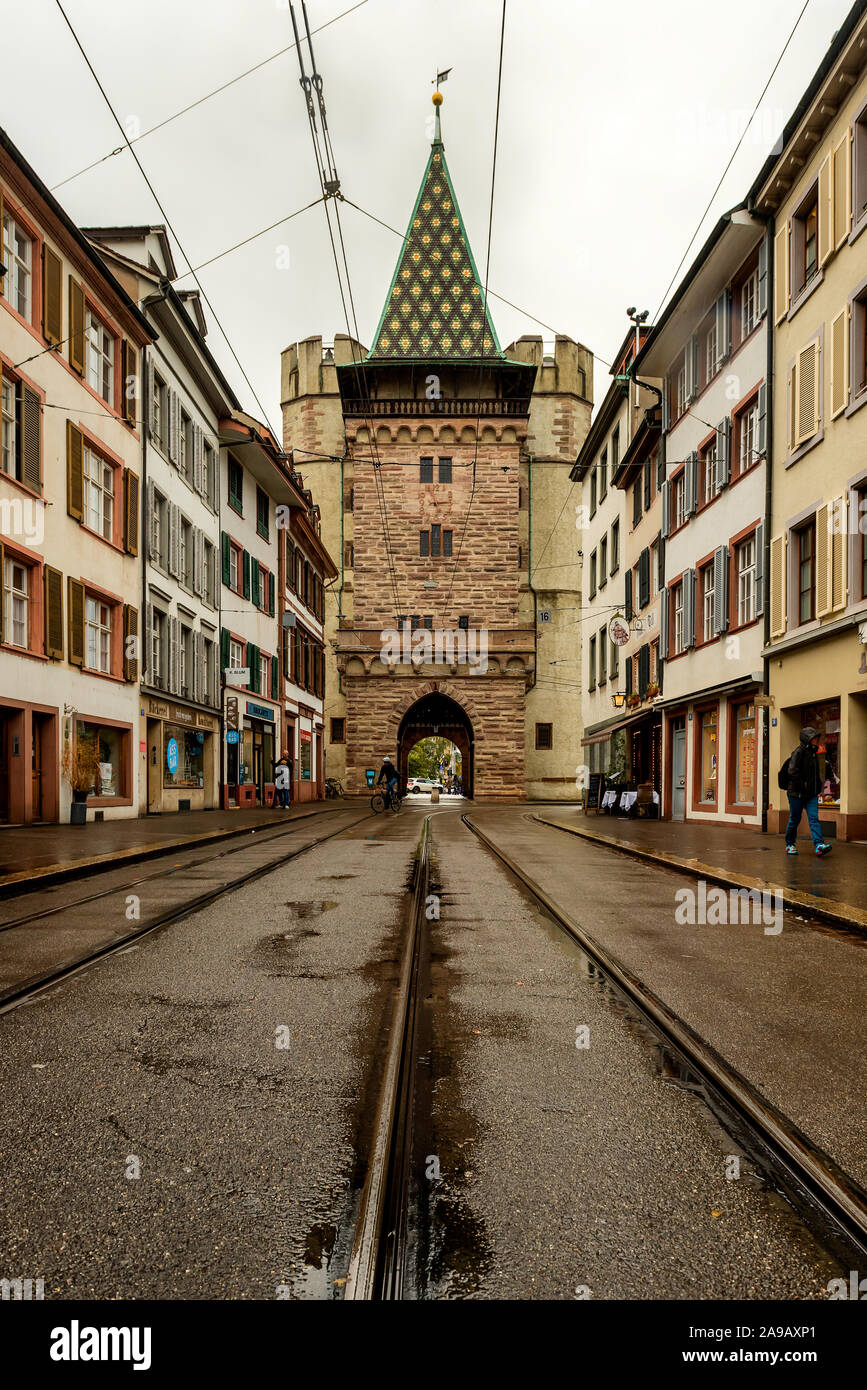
824	1195
27	989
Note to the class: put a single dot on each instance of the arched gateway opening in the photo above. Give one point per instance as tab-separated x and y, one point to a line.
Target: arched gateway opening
437	714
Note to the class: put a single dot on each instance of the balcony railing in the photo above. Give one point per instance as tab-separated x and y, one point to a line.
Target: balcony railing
446	405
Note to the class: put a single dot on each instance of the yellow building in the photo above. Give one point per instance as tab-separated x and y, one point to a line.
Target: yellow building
815	190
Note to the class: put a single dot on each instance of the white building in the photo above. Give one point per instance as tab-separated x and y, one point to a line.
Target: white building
71	343
186	397
305	567
711	347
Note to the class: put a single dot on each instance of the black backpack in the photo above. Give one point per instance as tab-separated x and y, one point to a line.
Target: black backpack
783	775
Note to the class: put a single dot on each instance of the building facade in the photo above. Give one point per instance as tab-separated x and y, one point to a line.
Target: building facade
710	347
71	345
815	191
185	398
441	491
305	570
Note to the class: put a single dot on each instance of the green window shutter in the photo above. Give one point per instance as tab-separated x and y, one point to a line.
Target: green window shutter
274	678
246	575
271	587
226	548
253	663
224	647
254	581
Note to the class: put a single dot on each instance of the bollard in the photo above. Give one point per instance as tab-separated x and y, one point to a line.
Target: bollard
435	795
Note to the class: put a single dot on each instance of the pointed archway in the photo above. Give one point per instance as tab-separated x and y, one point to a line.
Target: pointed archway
437	714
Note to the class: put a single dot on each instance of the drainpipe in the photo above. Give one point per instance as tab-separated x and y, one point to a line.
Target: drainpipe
530	583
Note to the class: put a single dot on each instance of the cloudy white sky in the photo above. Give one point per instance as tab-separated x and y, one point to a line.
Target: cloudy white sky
616	122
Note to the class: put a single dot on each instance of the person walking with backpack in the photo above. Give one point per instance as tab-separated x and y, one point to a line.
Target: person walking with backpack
801	779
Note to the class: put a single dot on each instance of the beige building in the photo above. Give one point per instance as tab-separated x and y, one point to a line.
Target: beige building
815	191
71	343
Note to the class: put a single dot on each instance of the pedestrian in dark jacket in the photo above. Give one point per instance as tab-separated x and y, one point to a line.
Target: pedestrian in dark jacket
281	782
804	782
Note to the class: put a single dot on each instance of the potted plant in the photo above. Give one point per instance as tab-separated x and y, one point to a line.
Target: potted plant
632	701
80	768
652	690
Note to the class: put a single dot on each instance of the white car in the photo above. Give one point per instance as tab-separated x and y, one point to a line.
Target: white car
417	785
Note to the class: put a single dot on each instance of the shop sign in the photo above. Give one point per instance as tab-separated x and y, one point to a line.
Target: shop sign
232	736
618	630
259	711
172	755
181	714
231	711
306	736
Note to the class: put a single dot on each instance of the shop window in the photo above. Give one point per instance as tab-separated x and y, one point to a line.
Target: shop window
745	570
110	746
708	756
98	628
190	752
99	345
16	603
18	260
744	724
825	719
338	731
544	735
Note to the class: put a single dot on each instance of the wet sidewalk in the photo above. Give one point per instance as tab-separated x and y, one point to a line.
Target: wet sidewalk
833	888
47	854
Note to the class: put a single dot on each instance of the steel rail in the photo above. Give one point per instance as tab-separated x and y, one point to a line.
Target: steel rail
265	834
810	1171
11	999
376	1264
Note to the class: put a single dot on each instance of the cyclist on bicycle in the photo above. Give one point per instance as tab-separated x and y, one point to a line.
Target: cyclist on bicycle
389	774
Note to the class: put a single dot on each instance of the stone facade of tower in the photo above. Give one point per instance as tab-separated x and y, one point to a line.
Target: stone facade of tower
517	514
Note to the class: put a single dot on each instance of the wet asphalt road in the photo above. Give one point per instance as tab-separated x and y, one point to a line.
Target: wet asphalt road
561	1168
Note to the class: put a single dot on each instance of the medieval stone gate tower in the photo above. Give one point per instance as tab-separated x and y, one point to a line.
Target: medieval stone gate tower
441	466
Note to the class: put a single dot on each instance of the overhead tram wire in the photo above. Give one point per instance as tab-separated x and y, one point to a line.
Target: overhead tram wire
733	154
165	215
444	608
200	100
331	187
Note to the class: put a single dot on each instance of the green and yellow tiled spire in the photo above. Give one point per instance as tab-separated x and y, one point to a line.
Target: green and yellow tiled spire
436	304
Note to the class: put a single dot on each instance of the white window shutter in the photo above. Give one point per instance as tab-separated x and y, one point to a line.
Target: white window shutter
760	569
838	552
689	484
666	510
723	453
148	663
781	273
778	585
152	524
723	316
823	561
763	278
762	431
172	674
720	590
840	362
825	212
152	393
807	402
197	561
841	191
172	408
174	547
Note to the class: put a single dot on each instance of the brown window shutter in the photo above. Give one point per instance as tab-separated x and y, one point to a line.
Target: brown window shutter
74	466
130	383
53	613
52	296
31	438
2	563
76	326
130	649
75	610
130	511
2	276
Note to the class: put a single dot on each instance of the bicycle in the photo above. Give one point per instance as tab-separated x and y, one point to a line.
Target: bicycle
380	801
333	788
